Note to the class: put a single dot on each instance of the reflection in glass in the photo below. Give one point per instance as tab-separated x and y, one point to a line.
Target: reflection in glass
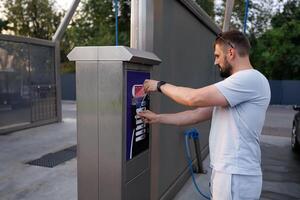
42	83
14	84
27	83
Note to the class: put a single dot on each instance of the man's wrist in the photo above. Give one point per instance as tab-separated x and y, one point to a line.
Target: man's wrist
159	84
158	118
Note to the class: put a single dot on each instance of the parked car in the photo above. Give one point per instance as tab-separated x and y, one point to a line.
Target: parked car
295	141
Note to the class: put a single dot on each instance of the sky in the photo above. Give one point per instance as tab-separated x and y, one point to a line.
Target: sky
59	4
63	4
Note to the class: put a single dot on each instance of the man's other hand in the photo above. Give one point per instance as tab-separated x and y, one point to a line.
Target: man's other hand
149	116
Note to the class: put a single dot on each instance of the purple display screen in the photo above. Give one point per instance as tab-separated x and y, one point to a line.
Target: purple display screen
137	133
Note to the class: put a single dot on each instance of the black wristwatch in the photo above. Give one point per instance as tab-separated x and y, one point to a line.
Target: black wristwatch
159	84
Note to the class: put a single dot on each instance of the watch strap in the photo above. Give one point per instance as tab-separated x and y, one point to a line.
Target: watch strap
159	84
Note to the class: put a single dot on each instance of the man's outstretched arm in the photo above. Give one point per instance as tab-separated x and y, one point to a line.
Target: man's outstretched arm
184	118
202	97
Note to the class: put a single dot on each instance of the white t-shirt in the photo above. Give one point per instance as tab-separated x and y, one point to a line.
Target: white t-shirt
236	129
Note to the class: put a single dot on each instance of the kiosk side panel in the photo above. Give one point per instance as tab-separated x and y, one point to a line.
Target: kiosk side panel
87	129
111	145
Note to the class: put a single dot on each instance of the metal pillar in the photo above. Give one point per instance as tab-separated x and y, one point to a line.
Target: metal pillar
65	22
113	142
227	17
142	20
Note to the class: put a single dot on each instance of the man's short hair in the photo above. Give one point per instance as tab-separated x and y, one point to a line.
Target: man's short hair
236	40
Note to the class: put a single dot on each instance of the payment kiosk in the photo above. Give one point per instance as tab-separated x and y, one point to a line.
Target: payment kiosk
113	142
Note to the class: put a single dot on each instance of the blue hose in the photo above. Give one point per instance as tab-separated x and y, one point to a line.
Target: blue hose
246	16
116	21
193	133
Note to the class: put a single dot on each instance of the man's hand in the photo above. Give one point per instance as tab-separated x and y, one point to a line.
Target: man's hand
149	116
150	85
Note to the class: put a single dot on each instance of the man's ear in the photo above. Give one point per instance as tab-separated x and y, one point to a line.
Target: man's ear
232	52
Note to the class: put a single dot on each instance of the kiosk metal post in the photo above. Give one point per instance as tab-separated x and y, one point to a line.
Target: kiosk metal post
113	142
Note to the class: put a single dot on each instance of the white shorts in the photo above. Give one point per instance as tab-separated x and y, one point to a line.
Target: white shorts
235	186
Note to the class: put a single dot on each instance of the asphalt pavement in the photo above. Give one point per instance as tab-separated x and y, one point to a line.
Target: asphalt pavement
20	181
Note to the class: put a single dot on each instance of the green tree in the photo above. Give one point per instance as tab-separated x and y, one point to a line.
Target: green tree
277	52
3	25
259	15
290	12
33	18
94	24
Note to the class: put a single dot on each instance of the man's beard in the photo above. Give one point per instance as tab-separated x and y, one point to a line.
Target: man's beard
226	71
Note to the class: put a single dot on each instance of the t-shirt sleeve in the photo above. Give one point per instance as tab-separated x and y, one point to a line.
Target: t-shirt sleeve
237	89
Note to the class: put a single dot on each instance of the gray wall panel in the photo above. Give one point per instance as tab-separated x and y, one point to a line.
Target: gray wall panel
184	44
68	87
285	92
276	92
291	92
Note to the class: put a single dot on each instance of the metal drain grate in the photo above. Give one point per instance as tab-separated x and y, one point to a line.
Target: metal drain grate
53	159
